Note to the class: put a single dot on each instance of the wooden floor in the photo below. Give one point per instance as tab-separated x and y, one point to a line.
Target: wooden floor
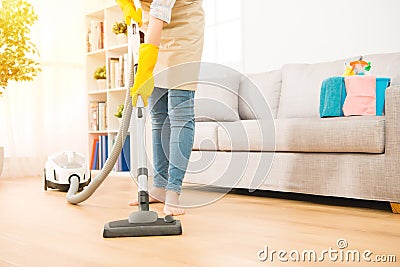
39	228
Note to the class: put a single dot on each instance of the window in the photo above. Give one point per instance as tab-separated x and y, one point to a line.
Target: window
223	32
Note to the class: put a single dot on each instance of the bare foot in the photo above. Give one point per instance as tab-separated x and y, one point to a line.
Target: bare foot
156	195
171	206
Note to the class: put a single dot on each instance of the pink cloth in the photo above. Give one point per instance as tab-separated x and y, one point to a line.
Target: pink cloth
361	95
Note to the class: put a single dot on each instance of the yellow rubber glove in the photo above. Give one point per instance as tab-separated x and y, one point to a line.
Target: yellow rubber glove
144	82
130	11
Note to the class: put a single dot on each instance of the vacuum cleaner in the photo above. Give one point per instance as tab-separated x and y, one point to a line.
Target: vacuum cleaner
142	222
61	167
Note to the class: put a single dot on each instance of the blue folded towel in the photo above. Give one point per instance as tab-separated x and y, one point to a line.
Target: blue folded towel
333	94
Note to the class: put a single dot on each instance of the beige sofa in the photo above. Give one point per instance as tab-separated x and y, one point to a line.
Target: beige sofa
241	143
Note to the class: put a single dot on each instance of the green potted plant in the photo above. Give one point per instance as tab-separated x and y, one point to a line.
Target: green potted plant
120	29
18	55
100	76
118	113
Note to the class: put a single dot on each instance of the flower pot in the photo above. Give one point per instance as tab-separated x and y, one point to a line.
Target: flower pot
122	39
1	159
101	84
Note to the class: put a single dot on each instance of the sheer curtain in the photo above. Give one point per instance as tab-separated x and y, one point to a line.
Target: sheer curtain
50	114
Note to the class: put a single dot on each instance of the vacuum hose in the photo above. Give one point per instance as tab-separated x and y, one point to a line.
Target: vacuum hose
72	196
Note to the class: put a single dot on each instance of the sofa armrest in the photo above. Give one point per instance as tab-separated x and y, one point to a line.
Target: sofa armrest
392	122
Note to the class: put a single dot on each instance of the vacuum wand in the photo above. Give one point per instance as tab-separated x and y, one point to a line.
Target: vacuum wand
142	171
135	39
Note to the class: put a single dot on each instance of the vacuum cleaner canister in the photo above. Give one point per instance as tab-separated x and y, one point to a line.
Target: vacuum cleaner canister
61	167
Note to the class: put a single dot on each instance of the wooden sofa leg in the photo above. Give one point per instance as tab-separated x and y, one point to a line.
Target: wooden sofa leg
395	207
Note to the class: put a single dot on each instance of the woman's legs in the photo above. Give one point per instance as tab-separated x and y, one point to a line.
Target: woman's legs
173	125
181	117
161	130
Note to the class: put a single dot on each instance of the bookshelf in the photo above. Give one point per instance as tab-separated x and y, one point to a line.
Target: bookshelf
103	47
110	48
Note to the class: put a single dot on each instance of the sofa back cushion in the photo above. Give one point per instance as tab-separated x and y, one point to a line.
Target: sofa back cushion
385	65
301	85
259	95
216	98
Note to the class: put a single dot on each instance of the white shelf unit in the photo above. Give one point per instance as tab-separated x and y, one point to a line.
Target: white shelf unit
112	96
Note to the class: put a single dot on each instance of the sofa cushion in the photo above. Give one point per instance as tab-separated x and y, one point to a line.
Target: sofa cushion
216	98
301	85
361	134
259	95
206	136
247	135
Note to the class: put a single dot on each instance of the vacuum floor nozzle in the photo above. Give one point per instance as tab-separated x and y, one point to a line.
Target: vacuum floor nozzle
123	228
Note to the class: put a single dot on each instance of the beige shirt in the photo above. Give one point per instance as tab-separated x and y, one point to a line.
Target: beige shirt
181	40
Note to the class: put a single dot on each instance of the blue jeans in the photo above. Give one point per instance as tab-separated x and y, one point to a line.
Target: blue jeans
172	114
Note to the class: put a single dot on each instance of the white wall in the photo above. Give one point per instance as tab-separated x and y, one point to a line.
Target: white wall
276	32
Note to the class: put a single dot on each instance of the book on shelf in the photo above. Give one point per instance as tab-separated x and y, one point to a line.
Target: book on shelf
118	66
124	159
95	155
102	116
125	73
103	150
93	116
100	153
120	76
112	66
95	36
126	155
98	116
